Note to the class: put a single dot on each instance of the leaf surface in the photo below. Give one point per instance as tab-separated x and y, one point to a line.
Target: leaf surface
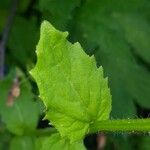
22	116
60	12
22	143
137	32
55	142
71	86
24	35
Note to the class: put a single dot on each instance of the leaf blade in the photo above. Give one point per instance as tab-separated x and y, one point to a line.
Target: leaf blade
72	105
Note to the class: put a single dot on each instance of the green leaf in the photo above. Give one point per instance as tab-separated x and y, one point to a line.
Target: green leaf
143	143
73	89
19	119
24	35
137	32
5	86
5	138
22	143
51	10
55	142
5	10
23	115
2	19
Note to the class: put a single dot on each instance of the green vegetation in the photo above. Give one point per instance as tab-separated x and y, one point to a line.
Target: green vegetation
71	96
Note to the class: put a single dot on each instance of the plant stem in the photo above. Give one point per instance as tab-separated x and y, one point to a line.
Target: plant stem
125	125
5	35
45	132
41	132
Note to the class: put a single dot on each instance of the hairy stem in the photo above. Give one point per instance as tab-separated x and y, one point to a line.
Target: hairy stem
5	35
125	125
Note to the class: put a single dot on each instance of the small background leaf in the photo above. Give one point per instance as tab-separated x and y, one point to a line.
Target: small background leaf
22	143
51	11
18	118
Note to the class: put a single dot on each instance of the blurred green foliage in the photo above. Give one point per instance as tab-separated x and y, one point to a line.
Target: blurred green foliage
116	32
